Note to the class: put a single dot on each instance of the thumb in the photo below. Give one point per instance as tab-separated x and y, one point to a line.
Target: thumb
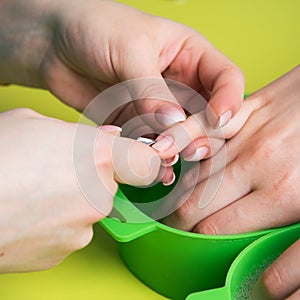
155	103
134	163
125	160
152	96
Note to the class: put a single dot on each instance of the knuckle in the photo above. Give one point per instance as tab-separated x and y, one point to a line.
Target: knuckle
183	213
265	149
285	187
240	166
206	227
190	179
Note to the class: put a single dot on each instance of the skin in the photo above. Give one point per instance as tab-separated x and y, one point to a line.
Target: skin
76	49
45	216
258	187
76	57
54	46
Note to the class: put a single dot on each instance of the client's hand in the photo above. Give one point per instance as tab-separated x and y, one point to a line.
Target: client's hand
258	187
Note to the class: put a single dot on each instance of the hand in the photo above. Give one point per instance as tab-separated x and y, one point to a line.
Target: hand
77	49
281	280
258	186
47	211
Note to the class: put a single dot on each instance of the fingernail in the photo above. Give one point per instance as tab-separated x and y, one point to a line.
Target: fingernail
112	129
259	291
199	154
163	143
225	118
171	180
168	115
171	161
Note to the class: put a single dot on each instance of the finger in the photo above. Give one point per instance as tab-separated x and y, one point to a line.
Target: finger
121	114
227	83
93	167
294	296
197	173
193	173
157	105
256	211
171	161
282	278
202	148
135	127
132	125
209	196
134	163
166	176
178	137
249	106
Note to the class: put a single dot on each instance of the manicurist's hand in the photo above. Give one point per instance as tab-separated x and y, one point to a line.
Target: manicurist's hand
76	49
57	179
253	182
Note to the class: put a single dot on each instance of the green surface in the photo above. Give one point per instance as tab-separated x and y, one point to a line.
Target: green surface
250	264
262	37
172	262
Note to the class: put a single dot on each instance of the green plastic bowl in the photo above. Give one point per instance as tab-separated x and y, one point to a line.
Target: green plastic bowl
250	264
172	262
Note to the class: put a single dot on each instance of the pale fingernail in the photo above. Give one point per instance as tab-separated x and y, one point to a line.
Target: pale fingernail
171	161
168	115
171	181
225	118
111	128
259	291
163	144
199	154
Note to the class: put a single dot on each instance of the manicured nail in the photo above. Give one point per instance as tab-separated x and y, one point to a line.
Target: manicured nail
259	291
171	161
168	115
111	128
225	118
163	143
171	181
199	154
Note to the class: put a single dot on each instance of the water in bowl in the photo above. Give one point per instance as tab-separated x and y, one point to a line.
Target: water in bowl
243	291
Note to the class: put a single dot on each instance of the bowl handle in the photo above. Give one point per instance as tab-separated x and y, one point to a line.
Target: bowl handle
214	294
126	222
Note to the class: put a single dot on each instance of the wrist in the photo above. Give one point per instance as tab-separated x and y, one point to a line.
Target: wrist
26	30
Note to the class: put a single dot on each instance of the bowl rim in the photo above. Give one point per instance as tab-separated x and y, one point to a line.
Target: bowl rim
125	231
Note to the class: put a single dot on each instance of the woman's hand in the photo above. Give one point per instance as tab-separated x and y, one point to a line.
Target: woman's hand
76	49
259	188
47	206
253	181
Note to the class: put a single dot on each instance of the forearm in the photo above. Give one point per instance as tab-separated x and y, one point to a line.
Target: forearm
26	29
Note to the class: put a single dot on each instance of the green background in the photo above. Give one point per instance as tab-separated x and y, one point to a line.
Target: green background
261	37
